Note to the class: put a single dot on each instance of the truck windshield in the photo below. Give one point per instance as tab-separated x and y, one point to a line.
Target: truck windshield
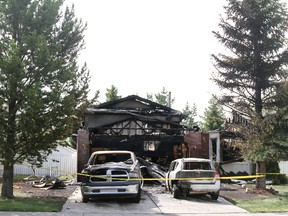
106	158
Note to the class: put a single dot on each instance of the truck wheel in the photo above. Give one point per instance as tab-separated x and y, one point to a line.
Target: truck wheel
214	196
176	191
138	196
85	199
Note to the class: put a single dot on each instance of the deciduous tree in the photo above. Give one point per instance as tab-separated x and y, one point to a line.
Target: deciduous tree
41	85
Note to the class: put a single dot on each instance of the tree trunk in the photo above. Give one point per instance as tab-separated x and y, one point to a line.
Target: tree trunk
261	169
7	186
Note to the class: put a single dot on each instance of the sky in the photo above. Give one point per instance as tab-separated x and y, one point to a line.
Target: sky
143	46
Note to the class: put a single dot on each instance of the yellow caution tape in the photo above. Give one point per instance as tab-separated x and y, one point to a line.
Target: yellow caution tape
270	174
258	175
242	177
163	179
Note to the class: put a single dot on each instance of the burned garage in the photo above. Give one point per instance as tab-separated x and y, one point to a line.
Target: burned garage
152	131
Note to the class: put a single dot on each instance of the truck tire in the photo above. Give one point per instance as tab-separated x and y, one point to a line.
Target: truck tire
214	195
176	191
85	199
138	196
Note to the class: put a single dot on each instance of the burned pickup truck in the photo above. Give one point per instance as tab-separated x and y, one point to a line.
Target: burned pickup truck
111	174
192	176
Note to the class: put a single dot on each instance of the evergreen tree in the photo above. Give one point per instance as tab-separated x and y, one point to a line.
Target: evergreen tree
163	98
214	116
41	85
149	96
95	100
254	32
112	93
191	113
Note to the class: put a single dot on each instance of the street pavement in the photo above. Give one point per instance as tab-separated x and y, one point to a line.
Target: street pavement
151	204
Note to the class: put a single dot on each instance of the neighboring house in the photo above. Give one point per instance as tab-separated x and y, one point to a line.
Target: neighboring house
63	158
133	123
283	165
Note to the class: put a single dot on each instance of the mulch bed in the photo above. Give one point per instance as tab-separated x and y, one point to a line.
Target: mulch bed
27	189
229	191
235	191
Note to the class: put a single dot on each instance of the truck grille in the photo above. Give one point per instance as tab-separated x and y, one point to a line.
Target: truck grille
109	175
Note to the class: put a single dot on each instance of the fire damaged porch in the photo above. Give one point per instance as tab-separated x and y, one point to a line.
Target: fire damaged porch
152	131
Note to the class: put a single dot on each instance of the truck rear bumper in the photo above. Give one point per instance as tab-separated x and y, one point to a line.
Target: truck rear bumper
201	188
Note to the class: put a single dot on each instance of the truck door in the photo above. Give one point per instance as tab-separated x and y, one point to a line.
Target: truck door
170	175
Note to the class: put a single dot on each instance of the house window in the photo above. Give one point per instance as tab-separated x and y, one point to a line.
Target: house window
149	146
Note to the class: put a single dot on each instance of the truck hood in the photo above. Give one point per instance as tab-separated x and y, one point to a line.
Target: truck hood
111	165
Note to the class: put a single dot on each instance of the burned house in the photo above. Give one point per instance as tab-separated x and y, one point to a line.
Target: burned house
152	131
221	145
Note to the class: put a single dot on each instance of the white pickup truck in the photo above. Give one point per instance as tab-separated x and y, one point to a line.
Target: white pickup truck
193	176
111	174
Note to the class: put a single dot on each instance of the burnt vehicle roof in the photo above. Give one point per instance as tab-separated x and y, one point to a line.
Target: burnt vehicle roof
112	152
193	160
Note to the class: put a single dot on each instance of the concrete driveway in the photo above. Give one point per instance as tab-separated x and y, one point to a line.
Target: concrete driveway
153	201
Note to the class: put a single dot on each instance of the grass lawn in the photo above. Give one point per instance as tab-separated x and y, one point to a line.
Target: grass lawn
24	203
32	204
277	203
